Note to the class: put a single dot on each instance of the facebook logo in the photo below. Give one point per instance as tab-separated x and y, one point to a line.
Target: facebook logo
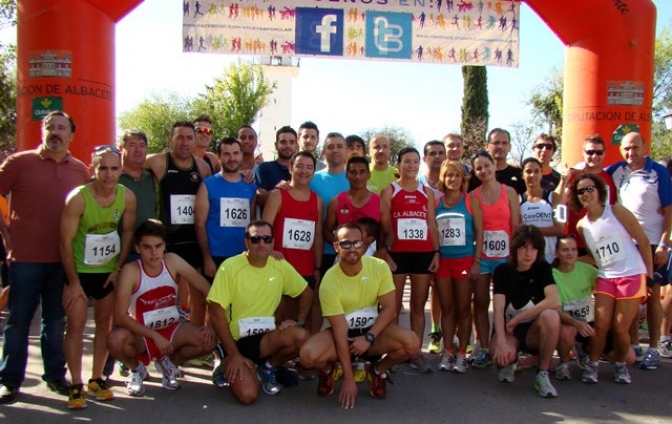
319	31
389	35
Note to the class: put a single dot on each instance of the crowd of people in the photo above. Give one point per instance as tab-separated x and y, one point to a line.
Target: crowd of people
295	268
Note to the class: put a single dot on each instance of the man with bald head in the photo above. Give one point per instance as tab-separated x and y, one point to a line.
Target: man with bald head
382	173
644	188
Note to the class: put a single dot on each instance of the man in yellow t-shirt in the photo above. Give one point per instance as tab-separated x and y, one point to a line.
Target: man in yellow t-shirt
358	299
242	302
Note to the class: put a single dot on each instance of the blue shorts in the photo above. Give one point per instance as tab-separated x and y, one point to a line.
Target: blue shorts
488	265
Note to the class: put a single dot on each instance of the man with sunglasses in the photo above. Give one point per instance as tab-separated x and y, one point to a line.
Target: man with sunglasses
544	148
180	174
38	181
593	158
360	325
645	189
204	134
242	302
92	252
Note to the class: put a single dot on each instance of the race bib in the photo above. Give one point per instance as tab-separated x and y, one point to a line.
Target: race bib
234	212
452	231
411	229
608	250
495	244
362	318
182	208
511	312
299	234
99	249
255	325
161	318
581	309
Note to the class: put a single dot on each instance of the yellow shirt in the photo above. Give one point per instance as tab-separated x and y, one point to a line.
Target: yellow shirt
245	291
341	294
381	179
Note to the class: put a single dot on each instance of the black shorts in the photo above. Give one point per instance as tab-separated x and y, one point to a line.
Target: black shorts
327	262
189	252
661	275
249	348
608	342
520	333
93	285
360	332
412	262
310	280
218	262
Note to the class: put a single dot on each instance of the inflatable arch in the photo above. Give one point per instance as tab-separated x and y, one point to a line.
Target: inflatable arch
66	59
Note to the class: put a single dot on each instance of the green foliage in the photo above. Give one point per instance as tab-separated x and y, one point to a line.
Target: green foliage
662	74
236	98
399	138
475	103
546	103
155	116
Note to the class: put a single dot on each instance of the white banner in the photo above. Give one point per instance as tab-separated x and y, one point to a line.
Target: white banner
427	31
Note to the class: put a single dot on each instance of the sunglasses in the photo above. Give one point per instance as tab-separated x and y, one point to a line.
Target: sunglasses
258	239
547	146
594	152
104	148
204	130
589	189
347	244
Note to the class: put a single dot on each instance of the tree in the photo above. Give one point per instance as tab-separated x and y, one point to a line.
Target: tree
521	140
661	137
236	98
475	103
399	138
546	103
155	116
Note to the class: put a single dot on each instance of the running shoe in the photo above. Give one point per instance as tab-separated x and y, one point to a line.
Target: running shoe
123	369
97	387
563	371
325	381
169	372
460	364
269	383
508	373
639	353
621	374
377	388
134	380
185	313
665	349
206	361
447	362
303	372
590	370
482	359
543	385
76	398
286	377
580	355
219	377
651	360
421	364
527	361
338	373
60	386
434	342
360	372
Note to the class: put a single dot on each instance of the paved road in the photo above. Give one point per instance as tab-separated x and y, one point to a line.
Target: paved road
434	398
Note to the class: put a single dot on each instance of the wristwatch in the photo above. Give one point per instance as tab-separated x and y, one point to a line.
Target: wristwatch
300	322
369	337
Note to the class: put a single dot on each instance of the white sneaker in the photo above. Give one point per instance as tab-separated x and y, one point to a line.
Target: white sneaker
170	373
447	362
563	371
134	380
543	385
460	364
665	349
508	373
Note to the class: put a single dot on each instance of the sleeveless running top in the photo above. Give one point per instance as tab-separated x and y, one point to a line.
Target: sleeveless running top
207	160
346	212
540	214
456	229
97	244
294	231
496	225
178	194
612	247
154	304
409	219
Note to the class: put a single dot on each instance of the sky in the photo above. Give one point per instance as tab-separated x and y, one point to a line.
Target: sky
339	95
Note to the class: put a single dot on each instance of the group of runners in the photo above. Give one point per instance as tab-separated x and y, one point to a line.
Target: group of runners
296	268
